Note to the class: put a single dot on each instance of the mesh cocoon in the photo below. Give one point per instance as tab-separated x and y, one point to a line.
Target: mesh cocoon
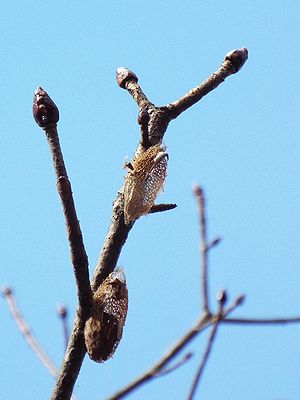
143	184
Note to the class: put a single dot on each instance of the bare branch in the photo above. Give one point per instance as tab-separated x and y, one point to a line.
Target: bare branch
153	372
204	246
233	62
161	116
25	330
114	241
203	322
46	115
152	132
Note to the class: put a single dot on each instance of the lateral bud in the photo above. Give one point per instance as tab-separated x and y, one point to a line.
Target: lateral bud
124	75
44	109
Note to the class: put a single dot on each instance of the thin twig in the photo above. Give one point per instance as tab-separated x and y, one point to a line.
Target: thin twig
63	316
203	322
162	207
25	330
153	372
262	321
204	246
206	354
177	365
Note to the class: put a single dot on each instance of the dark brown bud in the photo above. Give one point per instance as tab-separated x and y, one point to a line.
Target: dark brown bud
124	75
143	117
237	58
44	110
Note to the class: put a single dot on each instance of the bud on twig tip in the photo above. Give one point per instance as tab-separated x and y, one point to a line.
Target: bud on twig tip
124	75
6	291
222	297
197	189
240	299
62	311
44	110
237	58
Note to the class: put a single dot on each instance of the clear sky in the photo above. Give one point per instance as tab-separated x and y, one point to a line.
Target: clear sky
241	143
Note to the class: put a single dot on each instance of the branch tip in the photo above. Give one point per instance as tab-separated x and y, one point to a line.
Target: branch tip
124	75
6	291
162	207
222	297
237	58
62	312
44	110
240	299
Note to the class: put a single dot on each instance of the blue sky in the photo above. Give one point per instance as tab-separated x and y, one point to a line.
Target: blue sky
241	143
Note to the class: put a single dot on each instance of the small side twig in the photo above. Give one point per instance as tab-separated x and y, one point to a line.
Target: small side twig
63	316
204	247
177	365
162	207
212	336
25	330
263	321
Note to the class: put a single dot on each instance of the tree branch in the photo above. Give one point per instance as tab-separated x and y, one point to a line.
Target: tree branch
233	62
153	128
159	117
46	115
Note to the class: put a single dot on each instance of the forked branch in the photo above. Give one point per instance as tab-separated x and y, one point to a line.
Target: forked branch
153	122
